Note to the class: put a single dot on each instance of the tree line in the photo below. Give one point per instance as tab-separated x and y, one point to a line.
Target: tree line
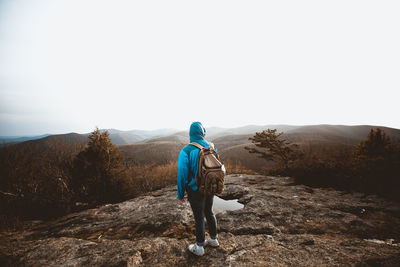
39	182
372	166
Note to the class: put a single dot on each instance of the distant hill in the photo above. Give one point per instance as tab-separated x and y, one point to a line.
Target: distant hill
250	129
69	138
152	153
117	136
163	145
19	139
180	137
151	133
231	142
352	134
125	138
316	138
314	133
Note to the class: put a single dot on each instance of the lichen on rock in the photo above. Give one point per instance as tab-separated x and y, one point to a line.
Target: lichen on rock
281	224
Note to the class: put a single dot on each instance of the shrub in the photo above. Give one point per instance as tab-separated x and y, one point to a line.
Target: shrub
372	166
34	182
98	170
376	164
143	178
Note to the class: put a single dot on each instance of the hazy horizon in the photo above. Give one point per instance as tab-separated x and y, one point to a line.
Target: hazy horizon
69	66
184	129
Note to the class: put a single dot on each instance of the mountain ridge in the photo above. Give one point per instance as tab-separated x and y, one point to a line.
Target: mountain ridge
163	148
135	136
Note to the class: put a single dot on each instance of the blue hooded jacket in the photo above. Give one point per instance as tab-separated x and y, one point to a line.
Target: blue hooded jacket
189	159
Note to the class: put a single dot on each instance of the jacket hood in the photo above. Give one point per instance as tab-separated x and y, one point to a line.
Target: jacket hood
197	132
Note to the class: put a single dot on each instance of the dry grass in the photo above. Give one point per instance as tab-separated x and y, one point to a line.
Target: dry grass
237	167
150	177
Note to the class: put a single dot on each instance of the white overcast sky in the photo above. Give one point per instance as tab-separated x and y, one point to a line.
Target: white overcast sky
73	65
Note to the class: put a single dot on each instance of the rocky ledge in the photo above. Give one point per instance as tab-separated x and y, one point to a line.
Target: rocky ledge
280	224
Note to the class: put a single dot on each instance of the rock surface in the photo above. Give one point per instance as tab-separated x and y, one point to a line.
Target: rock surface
281	224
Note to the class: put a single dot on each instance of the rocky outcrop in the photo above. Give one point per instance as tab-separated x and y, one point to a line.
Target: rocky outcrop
280	224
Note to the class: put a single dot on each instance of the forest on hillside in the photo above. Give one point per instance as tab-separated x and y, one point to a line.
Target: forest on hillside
40	182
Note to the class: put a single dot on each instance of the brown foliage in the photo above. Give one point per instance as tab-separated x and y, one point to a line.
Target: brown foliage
97	170
237	167
46	181
34	180
149	177
372	166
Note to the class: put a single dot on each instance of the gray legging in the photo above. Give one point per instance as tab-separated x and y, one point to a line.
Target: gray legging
202	206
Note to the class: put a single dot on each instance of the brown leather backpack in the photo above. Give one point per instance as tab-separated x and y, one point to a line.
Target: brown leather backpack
211	174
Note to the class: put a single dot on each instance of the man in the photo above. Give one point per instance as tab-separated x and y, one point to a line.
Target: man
188	164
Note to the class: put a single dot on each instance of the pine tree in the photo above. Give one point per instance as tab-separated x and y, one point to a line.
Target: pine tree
96	169
375	164
274	148
377	144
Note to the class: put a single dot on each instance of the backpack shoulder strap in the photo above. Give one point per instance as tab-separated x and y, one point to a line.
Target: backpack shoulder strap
196	145
211	145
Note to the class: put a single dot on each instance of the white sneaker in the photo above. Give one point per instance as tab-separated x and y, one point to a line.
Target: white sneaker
196	249
211	242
